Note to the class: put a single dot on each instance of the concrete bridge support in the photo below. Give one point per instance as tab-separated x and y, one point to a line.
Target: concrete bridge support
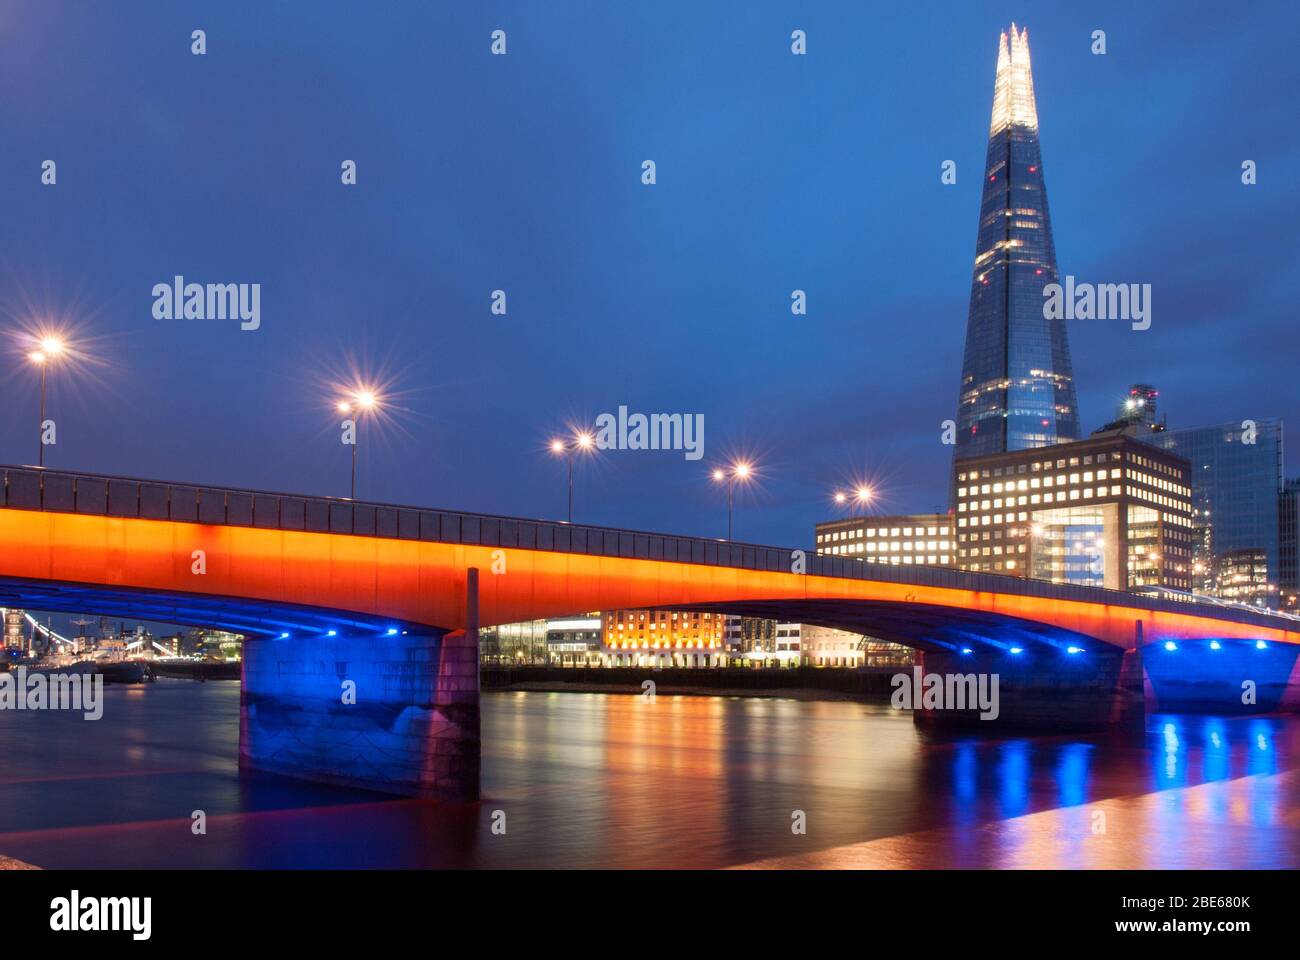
1048	691
1043	692
1225	677
393	713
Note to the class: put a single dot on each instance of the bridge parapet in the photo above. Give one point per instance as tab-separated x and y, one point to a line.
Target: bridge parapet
28	488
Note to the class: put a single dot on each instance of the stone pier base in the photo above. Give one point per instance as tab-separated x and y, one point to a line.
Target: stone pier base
396	714
1225	677
1046	691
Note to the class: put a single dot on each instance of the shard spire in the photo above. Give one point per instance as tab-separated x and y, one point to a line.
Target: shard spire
1017	387
1013	88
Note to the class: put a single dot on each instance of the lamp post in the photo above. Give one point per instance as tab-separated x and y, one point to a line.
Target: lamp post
363	401
582	442
738	471
50	349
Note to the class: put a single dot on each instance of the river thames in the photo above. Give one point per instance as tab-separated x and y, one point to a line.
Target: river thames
611	780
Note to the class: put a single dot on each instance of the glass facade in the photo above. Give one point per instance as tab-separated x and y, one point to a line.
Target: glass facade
1017	385
1289	537
1107	511
517	643
1236	481
1077	545
574	641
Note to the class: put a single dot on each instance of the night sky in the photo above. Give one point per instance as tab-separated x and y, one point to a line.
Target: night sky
775	172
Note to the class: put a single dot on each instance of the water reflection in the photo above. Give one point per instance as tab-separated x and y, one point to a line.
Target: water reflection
599	780
1200	749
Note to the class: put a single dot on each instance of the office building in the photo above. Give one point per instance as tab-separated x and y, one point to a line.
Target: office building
1108	511
519	644
1289	547
215	644
925	538
1237	486
827	647
575	641
743	635
669	638
1242	576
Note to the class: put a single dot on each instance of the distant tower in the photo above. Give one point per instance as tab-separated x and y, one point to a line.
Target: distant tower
1139	406
13	626
1017	384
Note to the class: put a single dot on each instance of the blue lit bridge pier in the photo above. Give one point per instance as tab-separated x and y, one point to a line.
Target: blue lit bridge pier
396	713
1043	691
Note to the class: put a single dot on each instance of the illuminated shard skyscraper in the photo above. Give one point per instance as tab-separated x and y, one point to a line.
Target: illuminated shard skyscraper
1017	385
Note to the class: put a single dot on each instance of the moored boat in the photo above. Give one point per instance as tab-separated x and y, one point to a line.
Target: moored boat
125	671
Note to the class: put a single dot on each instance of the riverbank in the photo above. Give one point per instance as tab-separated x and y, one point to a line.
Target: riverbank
860	685
197	669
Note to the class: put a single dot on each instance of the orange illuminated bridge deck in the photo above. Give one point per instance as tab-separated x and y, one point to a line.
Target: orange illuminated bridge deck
266	564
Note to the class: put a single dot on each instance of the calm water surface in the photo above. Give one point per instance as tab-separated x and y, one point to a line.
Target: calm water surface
615	781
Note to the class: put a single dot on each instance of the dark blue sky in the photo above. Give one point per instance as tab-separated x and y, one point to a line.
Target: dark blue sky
522	172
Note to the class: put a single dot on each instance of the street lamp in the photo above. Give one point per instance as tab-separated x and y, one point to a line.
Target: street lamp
582	443
739	471
51	348
860	497
363	401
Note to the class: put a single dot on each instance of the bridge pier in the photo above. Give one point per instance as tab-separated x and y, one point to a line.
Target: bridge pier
1225	677
1045	691
395	713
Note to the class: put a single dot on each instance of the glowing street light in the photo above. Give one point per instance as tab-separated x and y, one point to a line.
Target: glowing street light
582	442
739	471
362	402
51	348
861	496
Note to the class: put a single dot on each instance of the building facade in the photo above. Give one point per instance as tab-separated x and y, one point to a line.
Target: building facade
1237	488
1242	576
925	538
520	644
1289	546
1017	382
670	638
575	641
1108	511
213	644
744	635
